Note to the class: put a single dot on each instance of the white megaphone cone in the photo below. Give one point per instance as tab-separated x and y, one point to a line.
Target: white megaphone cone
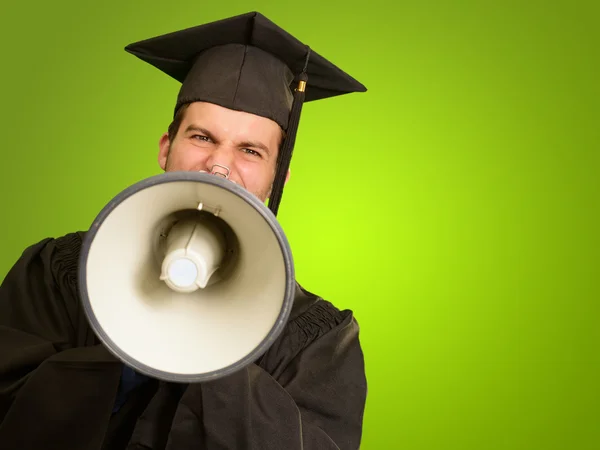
186	277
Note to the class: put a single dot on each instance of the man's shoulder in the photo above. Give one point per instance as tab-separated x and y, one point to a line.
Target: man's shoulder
314	322
74	237
66	244
70	242
315	313
305	301
57	253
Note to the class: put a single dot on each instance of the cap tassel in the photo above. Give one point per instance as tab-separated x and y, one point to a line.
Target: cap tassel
288	145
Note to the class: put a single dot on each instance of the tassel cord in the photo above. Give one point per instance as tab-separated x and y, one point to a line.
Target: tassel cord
287	148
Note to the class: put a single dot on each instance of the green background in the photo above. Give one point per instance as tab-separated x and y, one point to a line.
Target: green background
454	207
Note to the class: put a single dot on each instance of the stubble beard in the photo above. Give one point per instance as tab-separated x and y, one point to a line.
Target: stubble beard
262	195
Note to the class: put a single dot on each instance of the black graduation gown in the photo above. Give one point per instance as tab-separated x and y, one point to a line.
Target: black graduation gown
58	384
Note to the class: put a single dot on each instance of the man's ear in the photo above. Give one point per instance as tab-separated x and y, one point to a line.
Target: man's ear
163	152
287	177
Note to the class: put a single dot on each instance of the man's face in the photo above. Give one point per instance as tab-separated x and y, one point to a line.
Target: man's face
211	136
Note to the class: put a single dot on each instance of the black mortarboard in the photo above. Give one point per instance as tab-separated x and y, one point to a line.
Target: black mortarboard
248	63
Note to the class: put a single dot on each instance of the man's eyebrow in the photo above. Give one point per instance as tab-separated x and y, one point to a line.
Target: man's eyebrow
198	129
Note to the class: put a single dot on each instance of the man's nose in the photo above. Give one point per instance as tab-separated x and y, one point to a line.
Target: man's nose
220	162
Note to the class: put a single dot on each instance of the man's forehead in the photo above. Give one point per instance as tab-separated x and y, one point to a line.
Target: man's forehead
212	112
239	125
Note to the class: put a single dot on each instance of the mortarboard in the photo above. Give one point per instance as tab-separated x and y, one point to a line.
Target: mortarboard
248	63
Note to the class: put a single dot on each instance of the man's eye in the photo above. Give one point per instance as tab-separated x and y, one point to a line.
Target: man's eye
250	151
200	137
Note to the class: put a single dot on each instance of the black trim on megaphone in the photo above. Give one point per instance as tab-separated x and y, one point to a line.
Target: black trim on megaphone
253	201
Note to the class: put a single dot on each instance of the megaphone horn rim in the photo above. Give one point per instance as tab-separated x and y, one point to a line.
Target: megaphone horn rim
268	216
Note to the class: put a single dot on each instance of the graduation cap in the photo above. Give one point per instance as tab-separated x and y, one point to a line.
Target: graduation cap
248	63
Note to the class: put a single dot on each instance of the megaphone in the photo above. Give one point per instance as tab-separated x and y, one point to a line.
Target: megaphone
186	277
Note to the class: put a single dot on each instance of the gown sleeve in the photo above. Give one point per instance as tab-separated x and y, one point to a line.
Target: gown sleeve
52	378
307	393
35	319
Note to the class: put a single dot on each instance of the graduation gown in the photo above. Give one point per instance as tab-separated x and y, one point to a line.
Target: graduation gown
59	385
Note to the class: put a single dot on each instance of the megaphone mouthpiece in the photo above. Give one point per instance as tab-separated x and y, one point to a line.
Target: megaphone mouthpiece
195	250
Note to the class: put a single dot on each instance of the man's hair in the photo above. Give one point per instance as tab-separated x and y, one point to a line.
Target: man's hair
176	123
179	115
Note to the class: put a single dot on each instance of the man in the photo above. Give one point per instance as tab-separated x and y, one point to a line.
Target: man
243	84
